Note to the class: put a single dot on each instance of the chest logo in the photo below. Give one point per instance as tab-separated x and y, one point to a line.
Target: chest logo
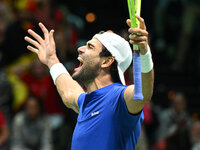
95	113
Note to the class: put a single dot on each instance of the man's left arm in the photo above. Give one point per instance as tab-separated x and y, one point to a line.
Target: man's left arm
139	36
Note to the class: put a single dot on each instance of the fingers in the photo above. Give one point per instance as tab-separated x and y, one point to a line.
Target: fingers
134	39
32	49
51	36
41	46
48	36
36	36
45	31
128	21
138	31
137	42
142	23
141	20
137	38
33	42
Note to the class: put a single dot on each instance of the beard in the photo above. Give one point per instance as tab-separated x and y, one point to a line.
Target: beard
87	73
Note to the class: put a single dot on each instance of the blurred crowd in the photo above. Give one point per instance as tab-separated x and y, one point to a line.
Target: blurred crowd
32	115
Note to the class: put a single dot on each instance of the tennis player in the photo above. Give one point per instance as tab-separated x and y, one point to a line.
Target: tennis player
108	116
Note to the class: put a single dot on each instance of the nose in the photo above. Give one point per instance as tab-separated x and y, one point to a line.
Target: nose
81	49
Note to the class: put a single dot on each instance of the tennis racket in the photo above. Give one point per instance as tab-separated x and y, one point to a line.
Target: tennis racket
134	7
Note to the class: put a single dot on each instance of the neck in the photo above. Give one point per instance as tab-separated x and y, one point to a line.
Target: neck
99	82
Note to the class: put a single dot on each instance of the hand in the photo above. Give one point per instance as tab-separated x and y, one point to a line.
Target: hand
44	48
139	36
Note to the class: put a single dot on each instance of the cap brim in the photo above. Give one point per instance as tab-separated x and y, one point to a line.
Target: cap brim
121	75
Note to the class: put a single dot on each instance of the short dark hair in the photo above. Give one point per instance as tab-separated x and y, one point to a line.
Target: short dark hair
113	68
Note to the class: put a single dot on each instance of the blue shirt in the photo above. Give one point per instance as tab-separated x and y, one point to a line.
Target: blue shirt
104	122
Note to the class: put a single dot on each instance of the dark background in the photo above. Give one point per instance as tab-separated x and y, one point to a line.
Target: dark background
174	35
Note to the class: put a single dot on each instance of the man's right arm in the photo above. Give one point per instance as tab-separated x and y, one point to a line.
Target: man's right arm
68	88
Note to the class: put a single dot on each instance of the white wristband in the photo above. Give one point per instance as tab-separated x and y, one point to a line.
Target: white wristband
56	70
146	61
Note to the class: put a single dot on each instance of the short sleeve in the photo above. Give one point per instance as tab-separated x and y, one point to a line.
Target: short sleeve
81	99
123	111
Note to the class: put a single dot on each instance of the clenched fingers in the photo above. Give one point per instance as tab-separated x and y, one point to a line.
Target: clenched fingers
139	43
138	31
137	37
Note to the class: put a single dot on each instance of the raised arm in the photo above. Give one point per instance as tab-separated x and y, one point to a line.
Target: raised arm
45	48
139	36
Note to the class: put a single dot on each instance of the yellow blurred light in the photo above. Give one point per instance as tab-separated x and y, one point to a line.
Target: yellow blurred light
90	17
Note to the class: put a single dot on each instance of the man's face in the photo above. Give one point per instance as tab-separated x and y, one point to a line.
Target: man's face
90	62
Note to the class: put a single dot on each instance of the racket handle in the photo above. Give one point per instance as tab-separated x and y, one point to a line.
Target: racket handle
137	76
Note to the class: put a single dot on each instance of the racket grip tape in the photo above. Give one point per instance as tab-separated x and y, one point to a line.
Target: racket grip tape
137	76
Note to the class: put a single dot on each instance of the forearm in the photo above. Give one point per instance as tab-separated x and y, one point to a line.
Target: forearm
147	75
68	89
147	85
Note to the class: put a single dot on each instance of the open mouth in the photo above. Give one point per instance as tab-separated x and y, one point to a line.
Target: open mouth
81	61
80	65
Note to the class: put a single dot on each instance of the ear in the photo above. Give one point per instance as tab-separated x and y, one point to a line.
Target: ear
107	62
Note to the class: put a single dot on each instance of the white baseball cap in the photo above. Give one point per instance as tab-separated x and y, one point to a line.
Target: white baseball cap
120	50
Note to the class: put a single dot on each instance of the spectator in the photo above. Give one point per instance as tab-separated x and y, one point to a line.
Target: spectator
4	132
5	95
5	18
41	85
62	136
174	124
31	130
33	78
10	49
195	135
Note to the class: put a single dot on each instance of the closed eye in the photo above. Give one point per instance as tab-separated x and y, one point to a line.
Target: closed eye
91	46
